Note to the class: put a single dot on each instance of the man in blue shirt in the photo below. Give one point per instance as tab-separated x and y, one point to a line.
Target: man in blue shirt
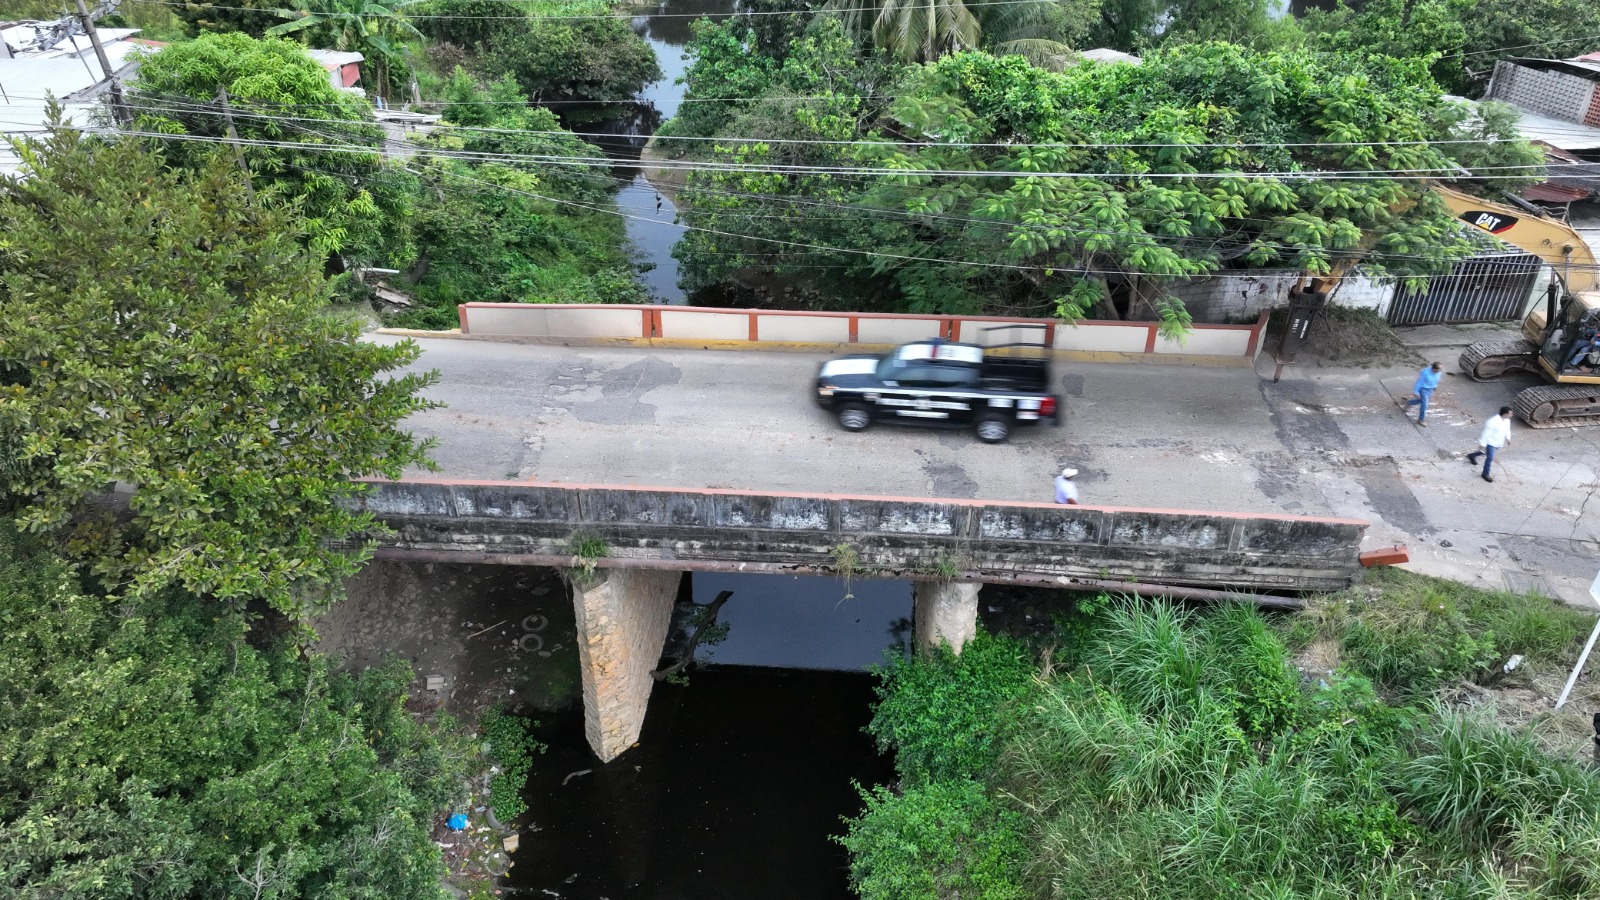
1427	381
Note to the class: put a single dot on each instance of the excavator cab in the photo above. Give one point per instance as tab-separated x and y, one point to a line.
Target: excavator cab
1573	346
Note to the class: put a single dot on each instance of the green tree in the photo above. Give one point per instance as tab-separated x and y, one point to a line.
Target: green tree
1500	29
148	749
573	59
378	31
1424	29
187	413
251	17
516	230
1462	39
924	30
995	186
354	204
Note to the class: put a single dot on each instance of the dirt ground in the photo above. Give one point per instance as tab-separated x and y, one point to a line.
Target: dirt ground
1342	337
479	635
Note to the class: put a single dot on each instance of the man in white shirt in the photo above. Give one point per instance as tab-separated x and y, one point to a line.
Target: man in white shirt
1066	491
1496	434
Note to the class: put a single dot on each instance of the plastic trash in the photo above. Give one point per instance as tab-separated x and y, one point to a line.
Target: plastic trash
457	822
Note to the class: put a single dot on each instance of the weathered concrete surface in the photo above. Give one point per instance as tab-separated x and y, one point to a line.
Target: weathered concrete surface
622	617
1322	442
982	539
945	613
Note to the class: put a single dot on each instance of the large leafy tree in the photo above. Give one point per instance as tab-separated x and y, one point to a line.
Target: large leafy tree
585	53
148	750
993	185
924	30
186	413
305	142
1461	39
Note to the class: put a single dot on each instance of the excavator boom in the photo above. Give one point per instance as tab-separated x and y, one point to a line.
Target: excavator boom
1555	243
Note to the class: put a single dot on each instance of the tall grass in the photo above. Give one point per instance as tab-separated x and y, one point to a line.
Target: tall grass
1421	632
1181	756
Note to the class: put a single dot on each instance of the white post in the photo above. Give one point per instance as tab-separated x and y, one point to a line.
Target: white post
1594	591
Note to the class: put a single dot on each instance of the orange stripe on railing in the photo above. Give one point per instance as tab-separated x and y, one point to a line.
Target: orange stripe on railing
1150	340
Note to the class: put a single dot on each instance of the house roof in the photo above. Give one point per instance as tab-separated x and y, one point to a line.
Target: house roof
1106	54
333	59
1582	66
67	72
1557	132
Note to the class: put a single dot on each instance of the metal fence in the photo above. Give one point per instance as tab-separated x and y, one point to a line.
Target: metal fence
1492	287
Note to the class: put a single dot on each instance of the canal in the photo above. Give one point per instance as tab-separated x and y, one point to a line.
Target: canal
742	775
648	214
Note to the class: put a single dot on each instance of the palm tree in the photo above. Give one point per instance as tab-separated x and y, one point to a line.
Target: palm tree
373	29
924	30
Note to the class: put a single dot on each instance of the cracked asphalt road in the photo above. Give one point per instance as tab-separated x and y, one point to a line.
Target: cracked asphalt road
1319	442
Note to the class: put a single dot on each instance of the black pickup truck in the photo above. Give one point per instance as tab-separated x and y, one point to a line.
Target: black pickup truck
943	384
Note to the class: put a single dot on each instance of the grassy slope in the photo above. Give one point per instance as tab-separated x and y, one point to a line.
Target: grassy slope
1169	753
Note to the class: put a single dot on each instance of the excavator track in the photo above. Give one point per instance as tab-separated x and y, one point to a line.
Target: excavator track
1489	360
1558	406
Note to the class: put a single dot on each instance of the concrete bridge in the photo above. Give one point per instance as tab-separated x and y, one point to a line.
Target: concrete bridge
628	547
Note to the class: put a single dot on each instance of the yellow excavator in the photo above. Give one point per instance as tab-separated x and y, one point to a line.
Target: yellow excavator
1559	340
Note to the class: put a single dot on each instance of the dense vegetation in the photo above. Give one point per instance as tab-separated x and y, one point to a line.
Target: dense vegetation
180	420
1149	751
176	405
151	748
983	184
484	209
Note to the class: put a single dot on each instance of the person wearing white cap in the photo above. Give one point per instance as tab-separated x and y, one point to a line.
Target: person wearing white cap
1066	491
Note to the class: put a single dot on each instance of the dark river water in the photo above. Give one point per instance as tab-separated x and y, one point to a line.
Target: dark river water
742	777
650	216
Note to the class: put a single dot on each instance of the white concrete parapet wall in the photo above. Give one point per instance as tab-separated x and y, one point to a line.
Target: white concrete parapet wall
704	328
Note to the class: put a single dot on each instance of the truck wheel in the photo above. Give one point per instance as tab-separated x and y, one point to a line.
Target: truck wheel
854	417
993	428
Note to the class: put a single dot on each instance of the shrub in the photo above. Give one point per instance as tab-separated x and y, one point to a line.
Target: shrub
944	714
513	748
937	840
1477	780
1422	632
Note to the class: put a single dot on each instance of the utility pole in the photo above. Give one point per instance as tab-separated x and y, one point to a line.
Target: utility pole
233	138
117	107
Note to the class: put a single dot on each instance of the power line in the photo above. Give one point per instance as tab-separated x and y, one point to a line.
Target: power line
620	16
1203	241
1452	172
915	145
1155	238
1592	37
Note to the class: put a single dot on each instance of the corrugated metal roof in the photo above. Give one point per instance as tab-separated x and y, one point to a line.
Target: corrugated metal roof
1548	192
1557	132
1581	66
1106	54
333	59
62	72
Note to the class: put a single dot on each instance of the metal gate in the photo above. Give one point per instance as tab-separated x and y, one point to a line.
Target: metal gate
1491	287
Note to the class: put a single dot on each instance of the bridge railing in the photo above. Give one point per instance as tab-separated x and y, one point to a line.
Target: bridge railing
987	540
712	328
